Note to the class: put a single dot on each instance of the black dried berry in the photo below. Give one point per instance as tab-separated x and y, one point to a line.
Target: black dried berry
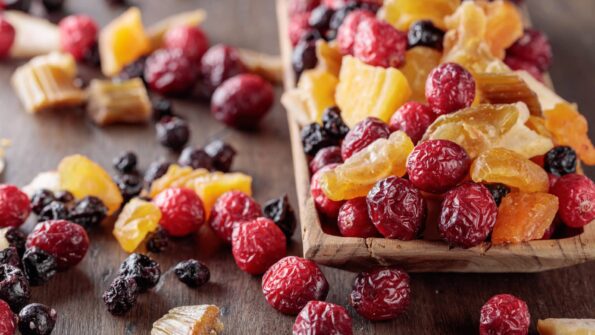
39	266
133	70
54	211
10	256
425	33
560	161
145	271
21	5
314	138
192	273
279	210
304	55
92	57
158	242
498	191
14	287
320	18
222	154
156	170
130	185
333	123
340	14
173	132
15	238
53	5
161	108
88	212
121	295
195	158
40	199
126	162
64	197
37	319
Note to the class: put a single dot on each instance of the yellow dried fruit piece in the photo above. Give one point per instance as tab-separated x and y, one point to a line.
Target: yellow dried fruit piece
83	177
174	172
366	90
317	89
329	56
402	13
504	25
157	31
507	167
124	101
138	219
358	174
212	186
566	327
122	41
537	124
506	88
419	62
189	320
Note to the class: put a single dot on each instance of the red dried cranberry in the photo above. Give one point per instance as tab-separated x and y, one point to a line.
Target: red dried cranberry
468	215
324	205
353	220
449	87
7	35
319	317
290	283
78	34
182	211
504	314
436	166
191	40
518	64
348	29
396	208
170	72
302	6
230	208
413	118
257	244
553	179
8	321
577	199
242	101
14	206
324	157
378	43
425	33
298	27
363	134
533	47
381	294
218	64
66	241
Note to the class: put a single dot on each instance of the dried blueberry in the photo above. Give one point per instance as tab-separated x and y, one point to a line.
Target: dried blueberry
54	211
158	242
145	271
222	154
560	161
173	132
130	185
14	237
40	199
10	256
498	191
161	108
192	273
279	210
156	170
64	197
340	14
333	123
126	162
304	54
92	57
314	138
14	287
195	158
425	33
135	69
39	266
53	5
37	319
88	212
121	295
320	18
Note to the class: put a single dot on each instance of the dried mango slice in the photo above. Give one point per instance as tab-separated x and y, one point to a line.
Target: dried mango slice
419	62
402	13
504	25
317	90
506	88
135	222
329	56
189	320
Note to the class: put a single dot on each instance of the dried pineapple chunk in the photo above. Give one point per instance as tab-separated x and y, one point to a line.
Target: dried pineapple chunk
329	57
566	327
118	102
189	320
317	89
402	13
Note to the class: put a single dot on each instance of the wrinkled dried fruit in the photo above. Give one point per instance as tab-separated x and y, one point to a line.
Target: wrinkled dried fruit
14	206
182	211
363	134
37	319
325	206
121	295
325	156
413	118
419	62
39	266
193	273
14	287
257	244
232	208
381	294
280	211
144	270
138	219
577	199
560	161
377	43
504	314
449	88
319	317
66	241
354	221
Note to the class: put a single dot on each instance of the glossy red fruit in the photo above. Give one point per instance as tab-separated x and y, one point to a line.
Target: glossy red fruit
298	27
7	35
322	318
533	47
436	166
290	283
257	244
302	6
230	208
353	220
576	194
520	64
348	29
378	43
504	314
325	156
413	118
553	179
8	320
325	206
449	87
191	40
170	72
363	134
381	294
396	208
78	34
182	211
242	101
15	206
218	64
66	241
468	215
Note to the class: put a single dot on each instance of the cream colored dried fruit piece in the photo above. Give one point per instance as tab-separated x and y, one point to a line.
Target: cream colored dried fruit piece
118	102
189	320
4	143
49	180
157	31
566	327
267	66
34	36
47	82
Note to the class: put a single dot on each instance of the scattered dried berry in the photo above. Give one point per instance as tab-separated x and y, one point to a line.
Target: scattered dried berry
292	282
39	266
298	27
7	36
315	138
498	191
449	87
121	295
64	197
560	161
279	210
54	211
381	294
230	208
363	134
320	19
8	321
257	244
14	287
92	57
145	271
577	199
195	158
302	6
339	16
222	155
325	156
156	170
191	40
425	33
170	72
413	118
325	206
37	319
319	317
354	221
218	64
89	212
182	211
162	108
14	238
333	123
40	199
125	162
378	43
130	185
348	29
10	256
78	34
533	47
66	241
158	242
133	70
504	314
14	206
303	56
173	132
193	273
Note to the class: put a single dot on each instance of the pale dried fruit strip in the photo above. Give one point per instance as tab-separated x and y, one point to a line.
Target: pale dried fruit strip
267	66
189	320
507	88
4	143
566	327
34	36
118	102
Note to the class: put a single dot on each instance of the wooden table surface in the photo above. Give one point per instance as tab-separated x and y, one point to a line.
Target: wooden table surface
441	304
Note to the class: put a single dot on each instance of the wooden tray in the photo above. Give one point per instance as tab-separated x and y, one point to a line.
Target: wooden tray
419	255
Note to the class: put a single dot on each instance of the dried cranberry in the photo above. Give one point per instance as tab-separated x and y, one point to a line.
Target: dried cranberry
66	241
192	273
191	40
292	282
125	162
333	123
326	156
54	211
14	287
230	208
136	69
173	132
413	118
14	206
518	64
7	36
182	211
218	64
425	33
378	43
39	266
78	34
145	271
320	19
121	295
40	199
8	321
436	166
553	179
222	155
37	319
504	314
162	108
560	161
449	87
381	294
353	220
533	47
346	33
158	242
195	158
324	205
577	199
319	317
156	170
363	134
257	244
468	215
280	211
10	256
396	208
303	56
302	6
169	71
298	27
90	211
498	191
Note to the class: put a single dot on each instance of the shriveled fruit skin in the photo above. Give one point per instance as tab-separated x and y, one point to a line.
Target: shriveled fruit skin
402	13
325	206
363	134
577	199
509	168
348	29
230	208
524	217
504	314
326	156
413	118
354	221
378	43
136	221
319	317
182	211
257	244
15	206
449	88
419	62
66	241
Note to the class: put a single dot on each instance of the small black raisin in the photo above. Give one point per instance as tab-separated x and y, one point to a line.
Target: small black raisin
121	295
304	55
145	271
425	33
279	210
92	57
88	212
192	273
333	123
320	18
156	170
39	266
37	319
314	138
15	238
173	132
222	154
133	70
14	287
130	185
560	161
10	256
158	242
161	108
195	158
126	162
54	211
64	197
40	199
340	14
498	191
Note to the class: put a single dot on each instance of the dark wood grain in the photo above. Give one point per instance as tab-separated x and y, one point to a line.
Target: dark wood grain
442	303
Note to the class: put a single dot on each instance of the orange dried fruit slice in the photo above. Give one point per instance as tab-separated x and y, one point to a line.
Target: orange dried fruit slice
537	124
504	25
317	90
402	13
419	62
137	219
329	57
